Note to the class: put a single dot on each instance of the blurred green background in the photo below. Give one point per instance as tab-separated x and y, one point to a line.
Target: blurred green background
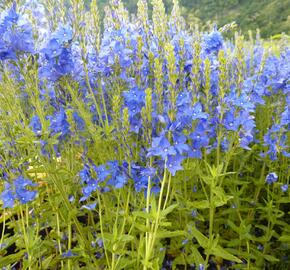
270	16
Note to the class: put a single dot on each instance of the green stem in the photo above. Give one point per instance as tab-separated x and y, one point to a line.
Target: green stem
155	225
3	228
211	220
26	241
102	229
58	236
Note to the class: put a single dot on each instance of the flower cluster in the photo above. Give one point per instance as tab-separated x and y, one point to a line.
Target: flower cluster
16	35
18	191
193	109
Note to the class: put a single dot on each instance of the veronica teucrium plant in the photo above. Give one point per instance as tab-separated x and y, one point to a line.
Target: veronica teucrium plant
138	143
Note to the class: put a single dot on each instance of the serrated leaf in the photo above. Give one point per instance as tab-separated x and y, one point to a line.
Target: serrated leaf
168	210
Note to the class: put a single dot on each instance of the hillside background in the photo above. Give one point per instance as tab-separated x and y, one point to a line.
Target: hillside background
270	16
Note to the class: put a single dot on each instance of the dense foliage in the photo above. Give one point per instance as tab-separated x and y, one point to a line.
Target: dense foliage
143	146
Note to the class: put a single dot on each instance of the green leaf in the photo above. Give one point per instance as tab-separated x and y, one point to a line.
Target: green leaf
169	234
179	260
201	239
270	258
126	238
10	259
221	198
220	252
141	227
194	257
284	200
168	210
204	204
285	238
141	214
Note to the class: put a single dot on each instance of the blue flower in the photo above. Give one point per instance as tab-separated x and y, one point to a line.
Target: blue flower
201	267
173	164
285	117
35	125
197	112
85	174
213	42
134	94
22	194
16	35
271	178
230	121
7	196
59	124
63	34
161	147
195	151
19	192
102	172
183	99
179	141
148	172
120	181
80	123
90	206
199	136
91	186
69	254
284	187
53	49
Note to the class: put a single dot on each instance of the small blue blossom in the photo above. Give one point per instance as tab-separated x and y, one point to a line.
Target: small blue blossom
63	34
213	42
53	49
197	112
161	147
18	191
22	194
16	35
80	123
271	178
68	254
7	196
179	141
173	164
230	121
284	187
90	206
59	124
201	267
35	125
